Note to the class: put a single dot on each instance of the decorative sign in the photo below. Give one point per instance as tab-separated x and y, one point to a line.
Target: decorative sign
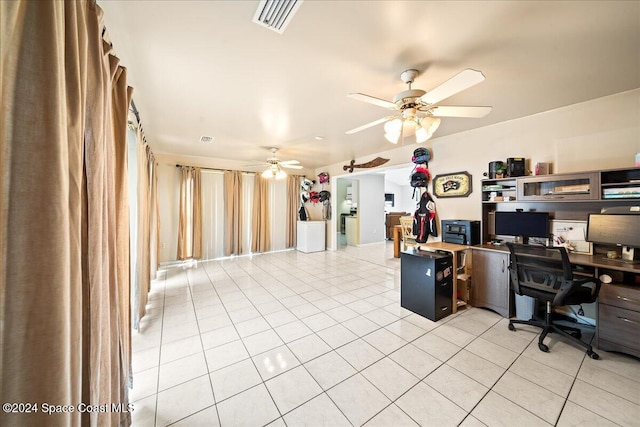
452	185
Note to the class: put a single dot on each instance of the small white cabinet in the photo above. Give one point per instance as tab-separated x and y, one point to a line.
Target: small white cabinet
311	236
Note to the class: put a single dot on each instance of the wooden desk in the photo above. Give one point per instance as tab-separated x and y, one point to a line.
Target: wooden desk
617	310
397	240
454	250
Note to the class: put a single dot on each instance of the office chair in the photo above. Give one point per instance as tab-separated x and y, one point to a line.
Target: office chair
545	274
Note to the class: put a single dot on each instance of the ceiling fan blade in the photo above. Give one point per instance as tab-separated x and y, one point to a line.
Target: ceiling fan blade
373	100
461	81
290	166
451	111
368	125
290	162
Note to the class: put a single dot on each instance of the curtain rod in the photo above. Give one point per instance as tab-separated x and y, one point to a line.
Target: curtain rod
214	169
223	170
136	113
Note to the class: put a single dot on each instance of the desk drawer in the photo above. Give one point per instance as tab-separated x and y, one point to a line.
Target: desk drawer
618	325
620	296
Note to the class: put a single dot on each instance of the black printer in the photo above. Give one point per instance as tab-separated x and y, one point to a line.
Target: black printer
461	231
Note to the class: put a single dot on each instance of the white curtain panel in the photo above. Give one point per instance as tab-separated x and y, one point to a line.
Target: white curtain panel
247	206
212	215
278	213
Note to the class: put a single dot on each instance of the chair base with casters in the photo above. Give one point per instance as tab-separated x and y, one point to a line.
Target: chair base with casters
545	273
547	325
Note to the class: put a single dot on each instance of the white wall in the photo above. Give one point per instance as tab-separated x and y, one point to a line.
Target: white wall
598	134
371	208
404	201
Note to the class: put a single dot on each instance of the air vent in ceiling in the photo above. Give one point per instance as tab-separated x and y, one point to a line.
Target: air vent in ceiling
205	138
276	14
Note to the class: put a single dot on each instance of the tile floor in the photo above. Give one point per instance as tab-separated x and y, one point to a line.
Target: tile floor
293	339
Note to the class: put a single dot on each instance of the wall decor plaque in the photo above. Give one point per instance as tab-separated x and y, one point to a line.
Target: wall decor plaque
456	184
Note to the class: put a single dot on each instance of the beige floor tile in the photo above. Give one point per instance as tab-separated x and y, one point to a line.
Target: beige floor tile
457	387
416	361
252	326
493	352
532	397
609	381
436	346
358	400
308	348
428	407
390	378
320	411
359	354
605	404
453	335
208	417
481	370
144	412
225	355
384	341
391	416
337	336
275	362
292	389
577	416
219	336
234	379
293	331
360	325
183	400
542	375
330	369
495	410
181	370
236	412
262	341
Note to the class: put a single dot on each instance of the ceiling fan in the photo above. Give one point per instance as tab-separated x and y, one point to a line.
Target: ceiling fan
418	111
275	165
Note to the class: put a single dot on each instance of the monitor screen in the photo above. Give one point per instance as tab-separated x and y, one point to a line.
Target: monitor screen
614	229
525	224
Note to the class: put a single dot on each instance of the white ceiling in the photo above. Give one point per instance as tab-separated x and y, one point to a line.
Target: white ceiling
204	68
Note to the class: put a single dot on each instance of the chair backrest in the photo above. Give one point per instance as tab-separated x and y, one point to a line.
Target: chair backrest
539	271
406	222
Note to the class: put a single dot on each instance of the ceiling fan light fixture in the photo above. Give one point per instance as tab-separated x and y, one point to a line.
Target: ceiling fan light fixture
268	173
280	174
393	126
392	137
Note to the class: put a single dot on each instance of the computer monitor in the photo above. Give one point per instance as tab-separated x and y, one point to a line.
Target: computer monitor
522	224
615	229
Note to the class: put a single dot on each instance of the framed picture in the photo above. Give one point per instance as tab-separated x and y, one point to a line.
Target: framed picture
452	185
571	235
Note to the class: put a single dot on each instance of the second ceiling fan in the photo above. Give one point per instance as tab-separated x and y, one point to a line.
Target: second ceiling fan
419	112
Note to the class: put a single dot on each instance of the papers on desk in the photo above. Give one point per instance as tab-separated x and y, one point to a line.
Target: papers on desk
571	235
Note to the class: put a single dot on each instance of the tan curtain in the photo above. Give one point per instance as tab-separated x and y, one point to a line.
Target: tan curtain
196	238
183	224
190	214
260	237
121	102
233	212
293	203
61	198
143	278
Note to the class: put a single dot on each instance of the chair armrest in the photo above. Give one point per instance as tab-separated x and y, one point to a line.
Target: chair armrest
570	287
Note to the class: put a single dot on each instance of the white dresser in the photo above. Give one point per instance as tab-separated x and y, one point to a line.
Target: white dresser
311	236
